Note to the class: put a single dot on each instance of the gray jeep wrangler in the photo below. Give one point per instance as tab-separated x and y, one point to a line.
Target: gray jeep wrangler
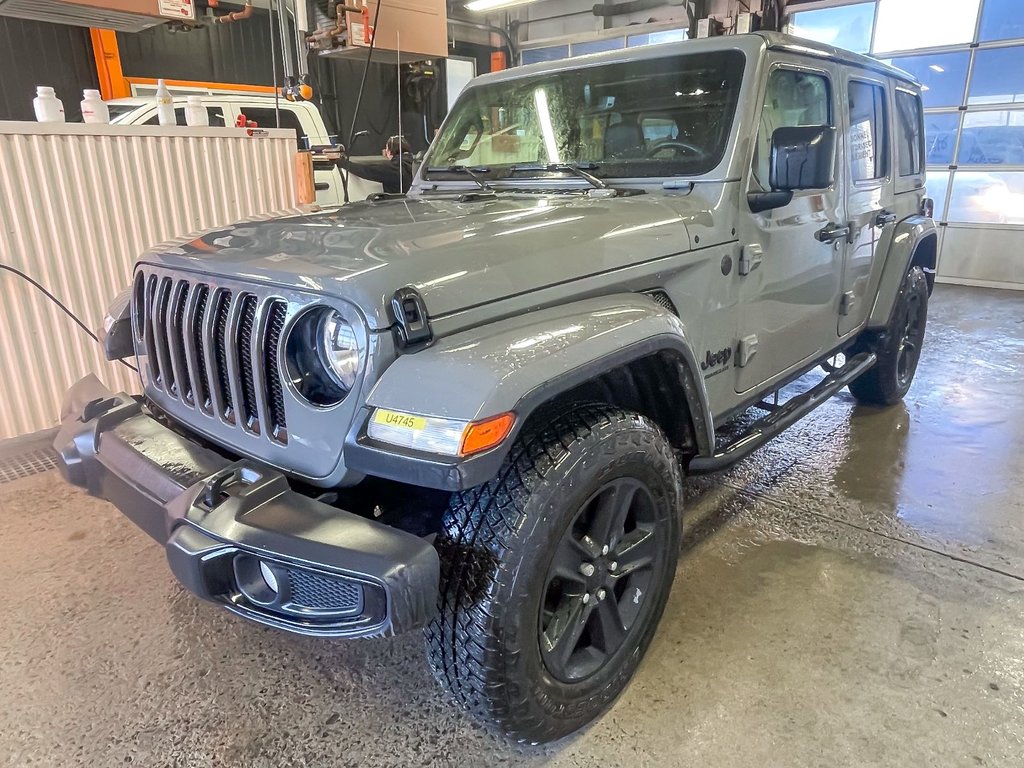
470	409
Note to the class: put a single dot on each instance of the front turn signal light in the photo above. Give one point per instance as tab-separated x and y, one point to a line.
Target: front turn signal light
484	435
433	434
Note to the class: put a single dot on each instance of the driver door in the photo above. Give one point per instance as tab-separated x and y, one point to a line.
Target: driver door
791	266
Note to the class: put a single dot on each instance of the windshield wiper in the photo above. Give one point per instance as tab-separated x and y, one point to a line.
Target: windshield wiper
579	170
471	172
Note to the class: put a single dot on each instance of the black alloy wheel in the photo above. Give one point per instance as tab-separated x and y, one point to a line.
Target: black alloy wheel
897	346
598	578
554	574
911	340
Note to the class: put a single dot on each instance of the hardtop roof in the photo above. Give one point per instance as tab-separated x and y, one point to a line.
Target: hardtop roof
751	44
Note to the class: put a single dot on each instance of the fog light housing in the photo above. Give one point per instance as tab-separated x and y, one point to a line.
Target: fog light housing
268	576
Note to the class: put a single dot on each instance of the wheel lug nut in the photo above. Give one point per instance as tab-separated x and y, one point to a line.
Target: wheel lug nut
613	566
586	598
604	550
587	569
601	594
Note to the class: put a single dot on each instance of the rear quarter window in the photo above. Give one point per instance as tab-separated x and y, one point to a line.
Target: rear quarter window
868	139
910	128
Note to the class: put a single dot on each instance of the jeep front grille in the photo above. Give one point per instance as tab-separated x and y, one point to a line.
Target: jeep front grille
213	349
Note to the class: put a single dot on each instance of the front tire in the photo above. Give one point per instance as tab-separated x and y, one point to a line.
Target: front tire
898	347
555	574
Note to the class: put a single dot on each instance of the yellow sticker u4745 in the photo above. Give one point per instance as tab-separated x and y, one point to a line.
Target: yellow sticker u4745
401	420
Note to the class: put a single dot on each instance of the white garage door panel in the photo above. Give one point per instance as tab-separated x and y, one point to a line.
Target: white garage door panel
983	256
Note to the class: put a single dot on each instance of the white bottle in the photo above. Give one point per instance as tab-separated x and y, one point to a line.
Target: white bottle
164	104
195	112
49	109
94	109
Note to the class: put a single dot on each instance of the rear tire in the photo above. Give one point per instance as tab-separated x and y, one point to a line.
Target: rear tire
898	347
555	574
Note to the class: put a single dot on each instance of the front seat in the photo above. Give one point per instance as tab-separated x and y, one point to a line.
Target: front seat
624	139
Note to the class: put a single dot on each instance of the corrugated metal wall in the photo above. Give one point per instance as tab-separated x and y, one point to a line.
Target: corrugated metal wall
36	53
78	204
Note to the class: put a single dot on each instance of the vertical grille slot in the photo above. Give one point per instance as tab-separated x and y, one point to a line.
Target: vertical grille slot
163	353
246	325
176	341
147	330
196	339
221	342
139	308
278	429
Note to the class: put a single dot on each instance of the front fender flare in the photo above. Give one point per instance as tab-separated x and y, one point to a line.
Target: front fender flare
516	365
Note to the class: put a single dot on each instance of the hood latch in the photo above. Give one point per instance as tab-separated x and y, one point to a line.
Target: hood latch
411	322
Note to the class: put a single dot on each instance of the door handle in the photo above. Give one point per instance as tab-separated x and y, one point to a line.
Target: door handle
884	217
833	232
321	186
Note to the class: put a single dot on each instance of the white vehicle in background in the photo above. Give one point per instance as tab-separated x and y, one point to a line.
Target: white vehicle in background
223	109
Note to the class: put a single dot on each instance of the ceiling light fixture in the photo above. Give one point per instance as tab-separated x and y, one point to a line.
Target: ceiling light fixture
490	5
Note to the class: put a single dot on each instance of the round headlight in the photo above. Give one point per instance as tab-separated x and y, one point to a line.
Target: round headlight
339	350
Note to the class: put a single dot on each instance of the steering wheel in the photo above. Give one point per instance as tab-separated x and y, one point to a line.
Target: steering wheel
676	146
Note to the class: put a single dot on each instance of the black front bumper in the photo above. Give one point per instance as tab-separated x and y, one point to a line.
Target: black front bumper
237	534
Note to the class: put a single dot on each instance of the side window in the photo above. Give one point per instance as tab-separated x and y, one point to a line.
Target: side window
216	115
658	129
910	119
265	118
868	139
793	99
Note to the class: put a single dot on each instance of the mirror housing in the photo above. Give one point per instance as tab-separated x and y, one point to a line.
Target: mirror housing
760	202
802	158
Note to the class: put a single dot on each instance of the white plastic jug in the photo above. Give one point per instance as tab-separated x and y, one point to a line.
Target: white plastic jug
49	109
195	112
94	109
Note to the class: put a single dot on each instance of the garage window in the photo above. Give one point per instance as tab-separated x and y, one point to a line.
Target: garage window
908	111
868	140
847	26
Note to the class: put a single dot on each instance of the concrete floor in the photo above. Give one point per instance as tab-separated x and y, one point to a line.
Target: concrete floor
853	595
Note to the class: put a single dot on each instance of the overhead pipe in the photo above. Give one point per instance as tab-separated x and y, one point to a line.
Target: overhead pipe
229	18
339	23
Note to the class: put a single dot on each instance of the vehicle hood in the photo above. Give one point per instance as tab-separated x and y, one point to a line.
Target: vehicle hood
457	254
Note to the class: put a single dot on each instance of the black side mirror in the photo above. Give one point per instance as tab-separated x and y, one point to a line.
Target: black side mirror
802	158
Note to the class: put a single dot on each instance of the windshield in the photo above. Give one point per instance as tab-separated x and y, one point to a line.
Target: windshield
655	117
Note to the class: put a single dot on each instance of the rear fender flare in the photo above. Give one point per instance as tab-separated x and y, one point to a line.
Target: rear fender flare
914	241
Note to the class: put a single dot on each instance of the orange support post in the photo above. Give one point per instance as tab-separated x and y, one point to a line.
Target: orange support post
108	64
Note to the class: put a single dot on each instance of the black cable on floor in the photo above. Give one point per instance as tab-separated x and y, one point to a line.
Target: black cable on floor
63	307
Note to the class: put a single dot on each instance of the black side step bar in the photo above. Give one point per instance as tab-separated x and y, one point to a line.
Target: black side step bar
764	429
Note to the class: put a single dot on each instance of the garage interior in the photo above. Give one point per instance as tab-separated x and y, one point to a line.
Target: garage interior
851	594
